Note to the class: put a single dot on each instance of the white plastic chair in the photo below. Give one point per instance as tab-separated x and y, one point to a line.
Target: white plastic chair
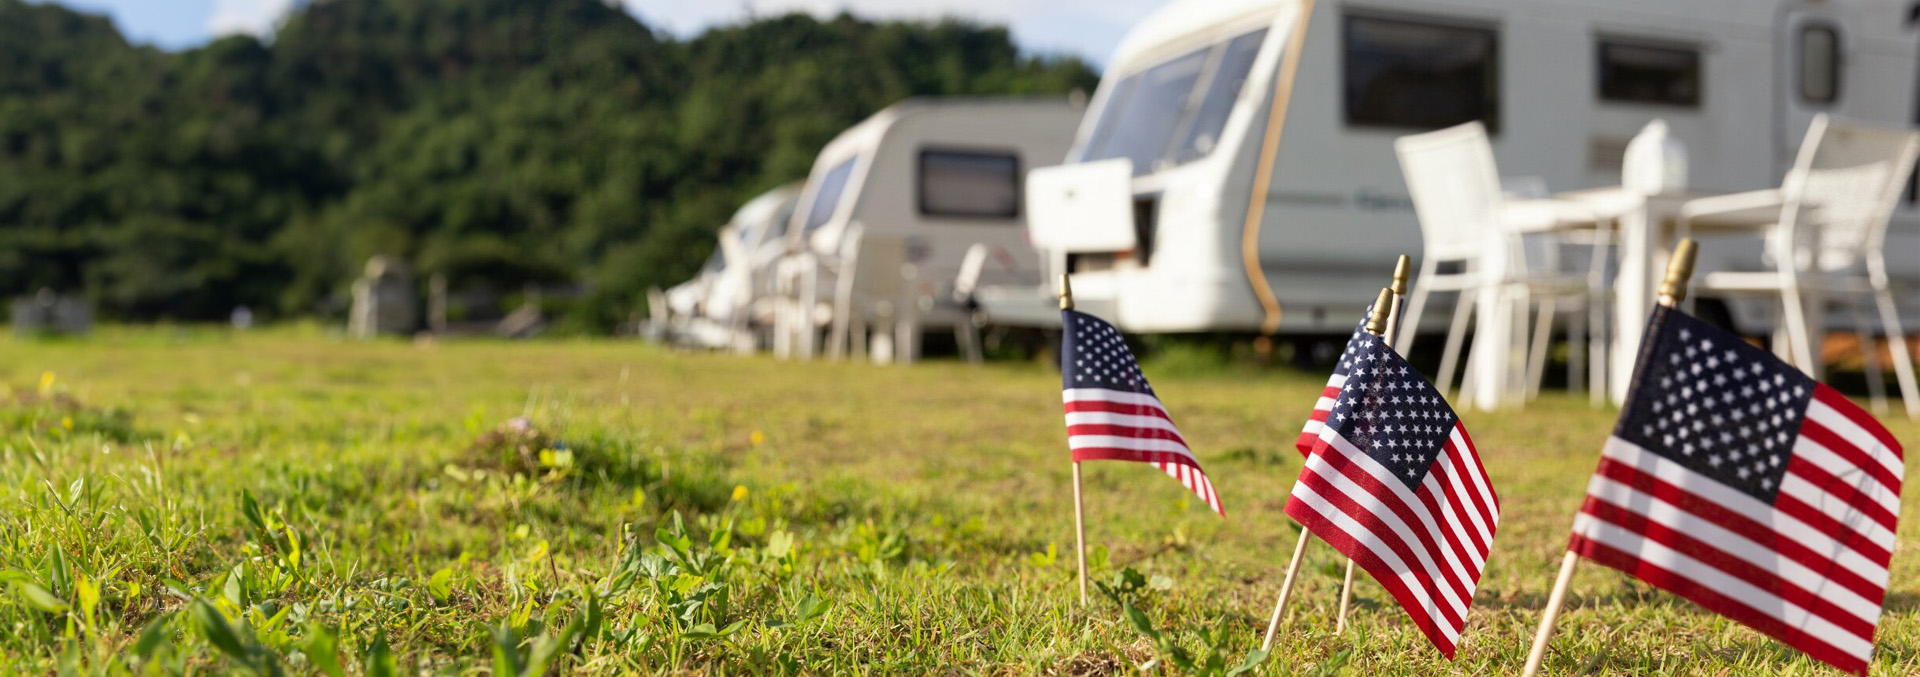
1830	241
796	281
874	287
737	270
1466	220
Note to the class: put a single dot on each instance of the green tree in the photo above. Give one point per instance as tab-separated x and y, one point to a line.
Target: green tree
498	142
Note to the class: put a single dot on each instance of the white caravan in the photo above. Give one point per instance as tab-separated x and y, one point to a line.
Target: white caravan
1152	212
905	212
724	304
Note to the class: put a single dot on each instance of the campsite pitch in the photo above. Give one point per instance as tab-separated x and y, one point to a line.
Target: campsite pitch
186	501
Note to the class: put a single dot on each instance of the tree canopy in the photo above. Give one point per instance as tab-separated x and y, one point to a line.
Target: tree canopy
498	142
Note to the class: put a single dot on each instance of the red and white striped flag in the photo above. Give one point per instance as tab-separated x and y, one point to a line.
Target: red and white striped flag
1112	413
1393	482
1735	481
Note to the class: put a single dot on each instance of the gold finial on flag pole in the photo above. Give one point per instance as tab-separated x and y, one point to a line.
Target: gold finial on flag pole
1066	292
1673	290
1402	271
1382	306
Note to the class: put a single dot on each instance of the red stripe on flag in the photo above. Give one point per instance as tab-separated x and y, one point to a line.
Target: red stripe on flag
1858	416
1730	564
1112	430
1717	603
1347	466
1847	536
1077	406
1135	455
1477	466
1306	443
1447	523
1488	517
1814	431
1443	500
1847	492
1414	566
1325	528
1737	523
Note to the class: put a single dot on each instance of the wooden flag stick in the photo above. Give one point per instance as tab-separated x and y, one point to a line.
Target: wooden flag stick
1080	533
1079	511
1673	290
1286	587
1402	269
1376	324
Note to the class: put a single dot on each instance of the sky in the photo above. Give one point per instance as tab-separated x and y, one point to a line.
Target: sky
1086	28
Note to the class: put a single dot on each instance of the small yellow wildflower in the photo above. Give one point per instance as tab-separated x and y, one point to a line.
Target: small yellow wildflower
46	382
740	492
66	422
757	438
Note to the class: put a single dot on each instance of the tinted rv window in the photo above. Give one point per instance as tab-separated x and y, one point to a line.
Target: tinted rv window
777	226
1229	77
827	199
1173	113
1141	116
1420	75
1819	64
1643	73
969	184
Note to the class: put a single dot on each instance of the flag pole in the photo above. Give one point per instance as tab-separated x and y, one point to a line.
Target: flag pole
1402	269
1079	512
1673	290
1376	325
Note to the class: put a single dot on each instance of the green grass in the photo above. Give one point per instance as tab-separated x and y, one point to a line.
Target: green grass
186	501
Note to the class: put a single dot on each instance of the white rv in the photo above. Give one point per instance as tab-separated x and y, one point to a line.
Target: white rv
1152	211
892	209
724	304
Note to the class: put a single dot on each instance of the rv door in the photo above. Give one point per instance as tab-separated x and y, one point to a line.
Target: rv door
1809	73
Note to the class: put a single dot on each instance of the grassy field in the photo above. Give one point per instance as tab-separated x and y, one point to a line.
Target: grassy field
191	501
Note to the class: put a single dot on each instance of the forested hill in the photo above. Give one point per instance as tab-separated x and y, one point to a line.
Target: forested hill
497	141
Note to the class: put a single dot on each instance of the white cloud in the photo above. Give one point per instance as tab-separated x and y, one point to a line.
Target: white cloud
256	17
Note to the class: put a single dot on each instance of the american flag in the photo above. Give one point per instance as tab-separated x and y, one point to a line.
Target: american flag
1112	414
1317	421
1393	483
1737	482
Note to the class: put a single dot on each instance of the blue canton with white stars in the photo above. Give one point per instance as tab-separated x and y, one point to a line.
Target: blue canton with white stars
1707	400
1389	411
1360	329
1096	357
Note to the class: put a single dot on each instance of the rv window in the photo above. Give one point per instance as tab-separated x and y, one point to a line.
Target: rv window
827	198
1229	76
777	226
1172	113
969	184
1420	75
1144	111
1642	73
1819	64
